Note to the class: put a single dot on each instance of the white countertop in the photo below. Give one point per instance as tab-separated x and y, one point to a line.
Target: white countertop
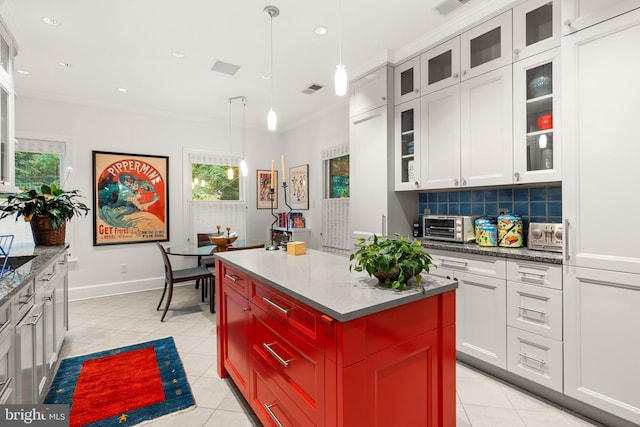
322	280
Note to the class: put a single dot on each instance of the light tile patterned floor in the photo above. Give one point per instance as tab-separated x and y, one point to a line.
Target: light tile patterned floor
103	323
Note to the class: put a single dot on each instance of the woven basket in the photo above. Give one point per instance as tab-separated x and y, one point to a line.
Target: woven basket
44	234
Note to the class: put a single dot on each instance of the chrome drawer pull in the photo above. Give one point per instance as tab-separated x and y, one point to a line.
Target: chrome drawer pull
271	414
523	308
285	311
454	264
26	299
232	278
279	358
542	362
2	328
536	276
47	277
34	320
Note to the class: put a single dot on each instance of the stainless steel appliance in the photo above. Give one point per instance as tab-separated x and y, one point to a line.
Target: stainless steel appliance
449	228
545	236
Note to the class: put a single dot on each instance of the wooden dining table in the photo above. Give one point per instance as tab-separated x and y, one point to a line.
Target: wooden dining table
208	250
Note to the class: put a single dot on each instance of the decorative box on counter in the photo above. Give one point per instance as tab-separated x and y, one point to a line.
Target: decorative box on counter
296	248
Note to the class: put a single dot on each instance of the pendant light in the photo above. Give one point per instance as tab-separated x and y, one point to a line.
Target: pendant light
272	120
244	170
340	79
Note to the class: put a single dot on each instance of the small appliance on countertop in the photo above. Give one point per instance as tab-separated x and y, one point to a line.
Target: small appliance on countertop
545	236
449	228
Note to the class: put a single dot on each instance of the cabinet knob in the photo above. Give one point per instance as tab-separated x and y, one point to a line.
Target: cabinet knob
464	72
516	176
455	75
464	182
416	90
456	182
516	52
384	98
417	184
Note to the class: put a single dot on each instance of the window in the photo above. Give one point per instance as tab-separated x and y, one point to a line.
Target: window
38	163
337	170
214	182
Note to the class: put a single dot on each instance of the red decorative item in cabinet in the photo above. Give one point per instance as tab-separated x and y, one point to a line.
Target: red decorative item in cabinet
545	121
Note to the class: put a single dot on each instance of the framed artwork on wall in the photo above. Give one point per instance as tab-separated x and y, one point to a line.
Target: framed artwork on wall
266	178
299	187
130	198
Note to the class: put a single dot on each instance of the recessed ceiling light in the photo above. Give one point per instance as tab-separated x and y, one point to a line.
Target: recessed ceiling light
266	77
64	64
321	31
178	55
23	72
122	89
51	21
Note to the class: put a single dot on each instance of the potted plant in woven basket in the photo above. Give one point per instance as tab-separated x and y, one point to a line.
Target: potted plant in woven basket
46	210
392	261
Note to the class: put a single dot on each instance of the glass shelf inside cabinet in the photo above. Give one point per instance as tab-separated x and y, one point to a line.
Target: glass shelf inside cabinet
540	118
539	24
408	145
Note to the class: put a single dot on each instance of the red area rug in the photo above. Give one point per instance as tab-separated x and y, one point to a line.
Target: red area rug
123	386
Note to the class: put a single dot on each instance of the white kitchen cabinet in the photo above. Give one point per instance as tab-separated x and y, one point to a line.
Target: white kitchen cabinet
369	92
440	139
601	352
407	145
486	47
537	143
7	356
536	27
580	14
374	207
7	112
602	267
407	80
600	135
486	138
440	66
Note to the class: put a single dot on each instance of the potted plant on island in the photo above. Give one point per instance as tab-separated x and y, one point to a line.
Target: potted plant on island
46	210
392	261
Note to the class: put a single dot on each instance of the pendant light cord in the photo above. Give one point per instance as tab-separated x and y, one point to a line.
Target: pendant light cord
271	57
340	31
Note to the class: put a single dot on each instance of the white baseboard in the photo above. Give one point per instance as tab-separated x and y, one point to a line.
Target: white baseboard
107	289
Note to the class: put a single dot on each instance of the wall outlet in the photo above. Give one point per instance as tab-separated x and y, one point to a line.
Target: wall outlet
123	268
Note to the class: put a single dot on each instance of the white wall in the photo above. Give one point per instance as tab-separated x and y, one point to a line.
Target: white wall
304	144
95	271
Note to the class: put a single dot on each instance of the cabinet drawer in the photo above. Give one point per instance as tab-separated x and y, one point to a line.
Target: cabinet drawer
535	309
292	314
235	279
295	365
534	357
272	405
535	273
476	264
23	301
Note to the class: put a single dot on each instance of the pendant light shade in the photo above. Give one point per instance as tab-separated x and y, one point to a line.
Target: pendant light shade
244	170
272	120
341	79
230	173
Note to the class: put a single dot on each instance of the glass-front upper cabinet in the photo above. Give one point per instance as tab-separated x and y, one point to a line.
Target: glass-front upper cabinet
487	46
407	80
6	111
440	66
407	147
536	150
536	28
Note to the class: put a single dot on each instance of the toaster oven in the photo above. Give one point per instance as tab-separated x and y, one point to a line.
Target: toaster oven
449	228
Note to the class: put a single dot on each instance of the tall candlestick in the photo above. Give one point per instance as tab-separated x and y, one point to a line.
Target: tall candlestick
284	176
273	162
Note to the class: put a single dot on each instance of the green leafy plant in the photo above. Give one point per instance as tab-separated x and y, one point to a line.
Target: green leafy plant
57	204
392	261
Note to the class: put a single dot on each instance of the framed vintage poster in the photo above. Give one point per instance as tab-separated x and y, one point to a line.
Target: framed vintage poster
130	198
265	179
299	187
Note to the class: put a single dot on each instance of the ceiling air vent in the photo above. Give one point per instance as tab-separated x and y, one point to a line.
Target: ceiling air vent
225	68
449	6
313	88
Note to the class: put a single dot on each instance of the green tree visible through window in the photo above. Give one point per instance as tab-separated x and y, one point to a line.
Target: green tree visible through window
36	169
339	177
211	182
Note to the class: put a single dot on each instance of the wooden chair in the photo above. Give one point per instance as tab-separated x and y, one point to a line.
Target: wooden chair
172	276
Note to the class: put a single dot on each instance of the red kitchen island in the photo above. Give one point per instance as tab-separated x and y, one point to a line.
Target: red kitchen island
309	343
